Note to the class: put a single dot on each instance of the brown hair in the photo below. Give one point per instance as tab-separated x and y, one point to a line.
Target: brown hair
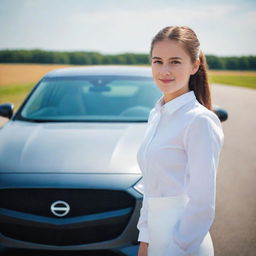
190	43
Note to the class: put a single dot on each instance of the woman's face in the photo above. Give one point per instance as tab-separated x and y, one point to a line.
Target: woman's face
171	68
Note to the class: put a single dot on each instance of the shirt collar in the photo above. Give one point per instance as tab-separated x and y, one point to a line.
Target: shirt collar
176	103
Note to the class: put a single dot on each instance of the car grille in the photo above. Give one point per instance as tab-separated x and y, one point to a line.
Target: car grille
83	202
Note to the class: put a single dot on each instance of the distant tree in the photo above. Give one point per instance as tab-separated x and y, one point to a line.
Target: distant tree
130	58
232	63
107	59
119	59
215	62
142	58
243	63
96	58
77	58
60	58
252	62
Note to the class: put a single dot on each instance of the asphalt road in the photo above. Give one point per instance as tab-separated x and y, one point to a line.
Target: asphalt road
234	228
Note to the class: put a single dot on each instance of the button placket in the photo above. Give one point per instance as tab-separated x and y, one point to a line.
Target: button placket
152	135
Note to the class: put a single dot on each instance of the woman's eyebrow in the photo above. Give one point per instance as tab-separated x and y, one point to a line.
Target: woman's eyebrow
155	57
178	58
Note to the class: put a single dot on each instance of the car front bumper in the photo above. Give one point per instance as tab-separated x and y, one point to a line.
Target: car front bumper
28	230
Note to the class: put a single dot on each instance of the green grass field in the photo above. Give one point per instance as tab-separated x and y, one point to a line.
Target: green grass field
14	93
246	79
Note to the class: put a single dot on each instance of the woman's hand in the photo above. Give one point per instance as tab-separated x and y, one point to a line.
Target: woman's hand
143	249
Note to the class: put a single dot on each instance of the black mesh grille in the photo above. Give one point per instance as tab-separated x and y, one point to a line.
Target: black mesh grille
103	231
81	201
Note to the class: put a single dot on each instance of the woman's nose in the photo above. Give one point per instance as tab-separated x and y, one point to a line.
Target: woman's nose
165	69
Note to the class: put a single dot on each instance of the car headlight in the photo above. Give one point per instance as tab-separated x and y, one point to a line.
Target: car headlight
139	186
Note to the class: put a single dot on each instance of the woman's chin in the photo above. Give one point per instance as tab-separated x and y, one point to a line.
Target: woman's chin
165	91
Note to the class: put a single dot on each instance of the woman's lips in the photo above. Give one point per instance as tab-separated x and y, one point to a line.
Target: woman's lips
166	80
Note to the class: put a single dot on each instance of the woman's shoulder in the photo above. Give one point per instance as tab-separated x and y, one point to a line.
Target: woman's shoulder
203	119
198	112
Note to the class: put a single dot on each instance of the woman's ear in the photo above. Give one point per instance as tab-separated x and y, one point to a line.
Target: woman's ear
195	67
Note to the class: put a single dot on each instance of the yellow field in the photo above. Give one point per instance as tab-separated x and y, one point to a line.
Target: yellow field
24	73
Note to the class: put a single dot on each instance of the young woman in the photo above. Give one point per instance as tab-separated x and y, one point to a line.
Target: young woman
180	152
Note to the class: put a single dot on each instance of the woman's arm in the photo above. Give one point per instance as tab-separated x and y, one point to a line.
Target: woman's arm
143	249
203	142
143	220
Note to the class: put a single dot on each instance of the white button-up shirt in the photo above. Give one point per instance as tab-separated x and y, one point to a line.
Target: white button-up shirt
180	154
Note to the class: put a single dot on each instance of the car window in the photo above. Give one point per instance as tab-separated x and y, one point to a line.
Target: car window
92	98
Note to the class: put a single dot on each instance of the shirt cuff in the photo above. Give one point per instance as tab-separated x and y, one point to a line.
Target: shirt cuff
143	235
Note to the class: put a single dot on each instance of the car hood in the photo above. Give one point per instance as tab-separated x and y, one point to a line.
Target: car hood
70	147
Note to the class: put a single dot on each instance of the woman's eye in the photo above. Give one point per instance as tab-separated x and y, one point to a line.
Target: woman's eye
158	62
175	62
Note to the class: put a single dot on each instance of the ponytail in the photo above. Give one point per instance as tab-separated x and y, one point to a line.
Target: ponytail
200	85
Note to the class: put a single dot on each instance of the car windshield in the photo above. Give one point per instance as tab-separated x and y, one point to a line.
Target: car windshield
91	98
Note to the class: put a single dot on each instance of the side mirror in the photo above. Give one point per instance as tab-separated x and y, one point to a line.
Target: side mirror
6	110
221	113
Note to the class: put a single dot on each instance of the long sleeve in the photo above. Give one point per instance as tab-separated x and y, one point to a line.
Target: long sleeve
142	224
203	141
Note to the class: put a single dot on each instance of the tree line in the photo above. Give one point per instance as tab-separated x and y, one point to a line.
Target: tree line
95	58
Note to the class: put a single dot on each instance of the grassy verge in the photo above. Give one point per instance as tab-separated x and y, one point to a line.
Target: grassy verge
242	79
14	93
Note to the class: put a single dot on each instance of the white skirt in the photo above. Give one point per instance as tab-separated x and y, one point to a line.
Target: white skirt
163	214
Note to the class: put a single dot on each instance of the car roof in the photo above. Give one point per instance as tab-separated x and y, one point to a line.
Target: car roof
101	70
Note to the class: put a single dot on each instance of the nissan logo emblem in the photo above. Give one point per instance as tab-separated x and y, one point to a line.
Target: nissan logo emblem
60	208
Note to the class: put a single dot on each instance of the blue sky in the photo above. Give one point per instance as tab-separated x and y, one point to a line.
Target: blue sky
224	27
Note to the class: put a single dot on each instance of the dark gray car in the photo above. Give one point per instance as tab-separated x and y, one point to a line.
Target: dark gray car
69	178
